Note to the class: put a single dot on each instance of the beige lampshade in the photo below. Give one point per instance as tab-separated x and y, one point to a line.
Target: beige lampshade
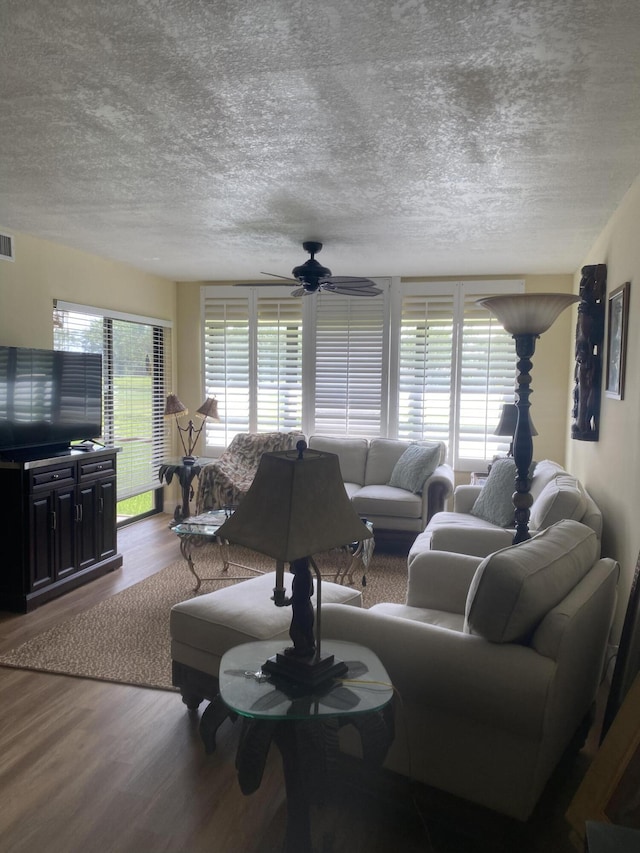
508	420
173	406
209	409
528	313
295	507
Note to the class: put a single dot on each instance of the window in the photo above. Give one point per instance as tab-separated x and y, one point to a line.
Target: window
136	377
456	367
422	360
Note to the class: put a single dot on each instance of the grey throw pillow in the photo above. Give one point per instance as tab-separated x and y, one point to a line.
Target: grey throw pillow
414	466
494	503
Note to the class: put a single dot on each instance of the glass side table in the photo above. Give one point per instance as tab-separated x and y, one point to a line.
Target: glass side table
303	725
199	531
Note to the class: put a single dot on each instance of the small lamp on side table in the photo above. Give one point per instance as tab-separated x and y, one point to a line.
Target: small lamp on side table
296	507
508	421
187	470
175	408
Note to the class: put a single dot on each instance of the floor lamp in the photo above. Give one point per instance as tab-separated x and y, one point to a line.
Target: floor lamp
525	316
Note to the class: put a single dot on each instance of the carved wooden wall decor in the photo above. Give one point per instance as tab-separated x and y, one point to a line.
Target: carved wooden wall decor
588	351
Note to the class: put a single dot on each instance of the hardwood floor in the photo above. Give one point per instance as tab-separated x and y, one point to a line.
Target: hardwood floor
89	766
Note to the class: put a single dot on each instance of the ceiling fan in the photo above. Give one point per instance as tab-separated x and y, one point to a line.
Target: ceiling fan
312	277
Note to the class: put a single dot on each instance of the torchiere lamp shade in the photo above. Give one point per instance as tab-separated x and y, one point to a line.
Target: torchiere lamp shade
296	506
528	313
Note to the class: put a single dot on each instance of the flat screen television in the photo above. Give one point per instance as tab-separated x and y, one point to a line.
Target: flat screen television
48	398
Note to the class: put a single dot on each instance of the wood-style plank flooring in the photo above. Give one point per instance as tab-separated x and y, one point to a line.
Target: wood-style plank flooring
95	767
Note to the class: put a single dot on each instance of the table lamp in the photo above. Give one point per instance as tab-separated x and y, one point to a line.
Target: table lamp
296	507
508	421
525	316
174	408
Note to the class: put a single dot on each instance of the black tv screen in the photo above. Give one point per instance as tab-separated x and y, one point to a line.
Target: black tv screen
48	398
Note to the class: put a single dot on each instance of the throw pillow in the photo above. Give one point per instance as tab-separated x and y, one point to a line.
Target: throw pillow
561	498
494	503
414	466
513	589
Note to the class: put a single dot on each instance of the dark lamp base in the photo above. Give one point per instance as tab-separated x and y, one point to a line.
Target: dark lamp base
305	672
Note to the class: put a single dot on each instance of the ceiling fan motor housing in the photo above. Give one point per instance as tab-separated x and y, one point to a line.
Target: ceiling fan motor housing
310	273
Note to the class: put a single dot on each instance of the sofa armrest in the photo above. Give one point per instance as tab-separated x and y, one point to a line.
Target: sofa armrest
464	498
440	580
450	670
478	541
436	491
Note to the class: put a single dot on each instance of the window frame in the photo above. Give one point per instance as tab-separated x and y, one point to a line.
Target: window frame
394	292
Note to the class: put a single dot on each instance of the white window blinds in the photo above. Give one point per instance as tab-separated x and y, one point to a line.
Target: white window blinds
227	366
136	378
456	367
351	365
421	360
252	362
425	380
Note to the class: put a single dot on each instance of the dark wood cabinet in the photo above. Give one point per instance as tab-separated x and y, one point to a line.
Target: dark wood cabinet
58	523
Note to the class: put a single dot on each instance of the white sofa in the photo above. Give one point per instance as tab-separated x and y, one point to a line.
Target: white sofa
556	495
496	662
367	466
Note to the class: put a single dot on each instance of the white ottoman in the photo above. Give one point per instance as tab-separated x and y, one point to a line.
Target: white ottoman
203	628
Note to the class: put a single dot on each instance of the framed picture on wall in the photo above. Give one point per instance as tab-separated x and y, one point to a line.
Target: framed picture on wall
618	323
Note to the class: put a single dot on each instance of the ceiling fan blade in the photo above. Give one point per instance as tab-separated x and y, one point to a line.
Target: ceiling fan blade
350	281
284	283
346	290
300	292
283	277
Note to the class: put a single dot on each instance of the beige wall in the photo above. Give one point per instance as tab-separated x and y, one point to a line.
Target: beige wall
44	271
609	468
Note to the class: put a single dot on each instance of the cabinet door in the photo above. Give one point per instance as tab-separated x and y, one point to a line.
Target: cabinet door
41	541
107	518
88	529
65	532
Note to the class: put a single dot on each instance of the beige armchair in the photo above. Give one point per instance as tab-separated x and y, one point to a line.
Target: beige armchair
226	481
496	661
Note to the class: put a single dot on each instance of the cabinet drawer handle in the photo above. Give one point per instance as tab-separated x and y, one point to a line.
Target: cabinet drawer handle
55	476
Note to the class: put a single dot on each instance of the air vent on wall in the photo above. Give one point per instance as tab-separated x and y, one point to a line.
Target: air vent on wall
6	248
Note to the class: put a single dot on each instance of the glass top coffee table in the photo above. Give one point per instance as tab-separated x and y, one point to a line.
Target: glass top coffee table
200	531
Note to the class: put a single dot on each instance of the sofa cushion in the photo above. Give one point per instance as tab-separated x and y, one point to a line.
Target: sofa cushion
372	501
513	589
351	453
414	466
561	498
494	503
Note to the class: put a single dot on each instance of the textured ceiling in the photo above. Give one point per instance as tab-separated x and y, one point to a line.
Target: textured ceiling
200	139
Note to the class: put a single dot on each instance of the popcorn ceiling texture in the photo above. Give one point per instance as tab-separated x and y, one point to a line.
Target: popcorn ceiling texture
207	140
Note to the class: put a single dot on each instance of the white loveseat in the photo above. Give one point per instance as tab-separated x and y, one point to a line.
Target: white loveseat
496	662
556	495
367	467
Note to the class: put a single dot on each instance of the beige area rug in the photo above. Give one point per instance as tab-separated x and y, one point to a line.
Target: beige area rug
126	637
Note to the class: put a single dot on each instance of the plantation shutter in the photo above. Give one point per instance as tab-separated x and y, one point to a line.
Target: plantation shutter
351	366
487	380
279	364
136	379
425	379
227	366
